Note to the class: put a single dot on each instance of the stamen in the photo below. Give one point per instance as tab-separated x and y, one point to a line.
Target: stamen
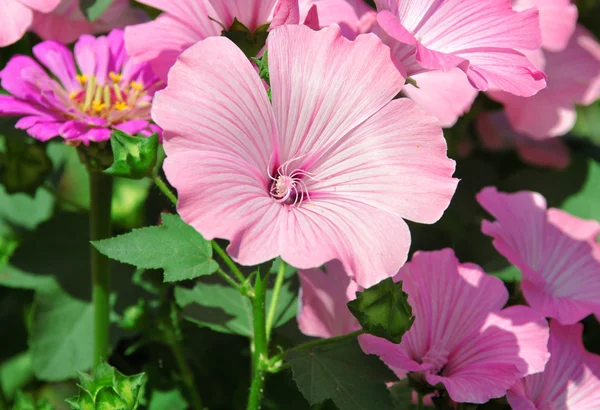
98	106
115	77
98	95
89	93
120	105
73	95
137	86
118	93
82	78
107	99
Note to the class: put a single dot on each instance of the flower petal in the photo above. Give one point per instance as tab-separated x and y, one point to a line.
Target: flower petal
59	60
251	13
43	6
15	19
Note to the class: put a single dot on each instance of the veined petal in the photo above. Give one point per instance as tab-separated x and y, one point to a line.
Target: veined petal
43	6
15	19
59	60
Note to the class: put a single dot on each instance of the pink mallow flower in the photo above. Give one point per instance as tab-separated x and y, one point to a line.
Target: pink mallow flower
16	17
556	252
67	22
324	295
327	171
353	16
461	336
571	380
106	90
184	22
573	78
496	134
481	38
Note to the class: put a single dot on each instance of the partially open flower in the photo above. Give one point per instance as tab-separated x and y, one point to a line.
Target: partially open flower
105	91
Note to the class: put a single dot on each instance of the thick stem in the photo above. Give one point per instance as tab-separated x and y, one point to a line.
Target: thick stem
260	354
100	203
275	298
420	405
186	373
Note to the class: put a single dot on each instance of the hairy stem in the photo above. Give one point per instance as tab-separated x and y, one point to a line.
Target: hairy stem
158	181
100	228
228	261
275	298
260	353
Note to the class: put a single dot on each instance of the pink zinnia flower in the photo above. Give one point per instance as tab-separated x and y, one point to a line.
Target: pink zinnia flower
571	380
327	171
556	252
16	17
110	92
573	78
324	295
184	22
478	37
67	22
461	336
496	134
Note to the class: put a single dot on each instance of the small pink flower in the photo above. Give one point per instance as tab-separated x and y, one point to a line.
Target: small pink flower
571	380
16	17
479	37
573	78
461	336
184	22
110	91
324	295
67	22
327	171
496	134
556	252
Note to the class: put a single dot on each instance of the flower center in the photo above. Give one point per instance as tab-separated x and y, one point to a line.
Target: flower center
437	358
287	187
114	100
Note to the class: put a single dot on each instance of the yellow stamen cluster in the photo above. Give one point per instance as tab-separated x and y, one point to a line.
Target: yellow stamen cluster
115	77
101	100
136	85
82	78
120	105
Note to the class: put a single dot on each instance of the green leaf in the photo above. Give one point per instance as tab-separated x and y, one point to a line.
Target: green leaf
383	310
93	9
509	274
224	309
586	203
174	246
588	122
172	400
15	373
249	42
61	336
23	402
24	165
402	394
23	210
134	157
263	66
342	372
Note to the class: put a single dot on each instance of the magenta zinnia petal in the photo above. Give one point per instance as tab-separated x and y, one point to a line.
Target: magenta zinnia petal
479	37
111	91
328	171
461	336
556	252
571	380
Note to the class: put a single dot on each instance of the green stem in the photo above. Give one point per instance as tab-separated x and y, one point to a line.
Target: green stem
260	354
322	342
420	405
3	402
229	280
186	373
228	261
275	298
165	189
100	203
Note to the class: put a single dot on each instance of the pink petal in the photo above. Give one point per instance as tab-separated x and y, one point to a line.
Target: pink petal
15	19
45	131
351	16
85	54
570	381
43	6
561	271
312	19
59	60
286	12
251	13
64	25
557	20
512	344
393	355
323	311
446	96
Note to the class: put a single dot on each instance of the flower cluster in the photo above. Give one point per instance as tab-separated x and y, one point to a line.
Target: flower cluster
312	131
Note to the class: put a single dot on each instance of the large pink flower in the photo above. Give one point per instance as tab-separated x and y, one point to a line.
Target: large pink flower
111	91
461	336
16	17
67	22
328	171
556	252
479	37
571	380
184	22
324	295
496	134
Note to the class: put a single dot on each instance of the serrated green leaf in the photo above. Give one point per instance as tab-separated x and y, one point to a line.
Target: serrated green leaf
172	400
93	9
224	309
134	157
128	387
174	246
342	372
383	310
61	336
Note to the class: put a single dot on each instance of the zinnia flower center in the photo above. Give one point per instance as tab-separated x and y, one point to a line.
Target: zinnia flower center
114	100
